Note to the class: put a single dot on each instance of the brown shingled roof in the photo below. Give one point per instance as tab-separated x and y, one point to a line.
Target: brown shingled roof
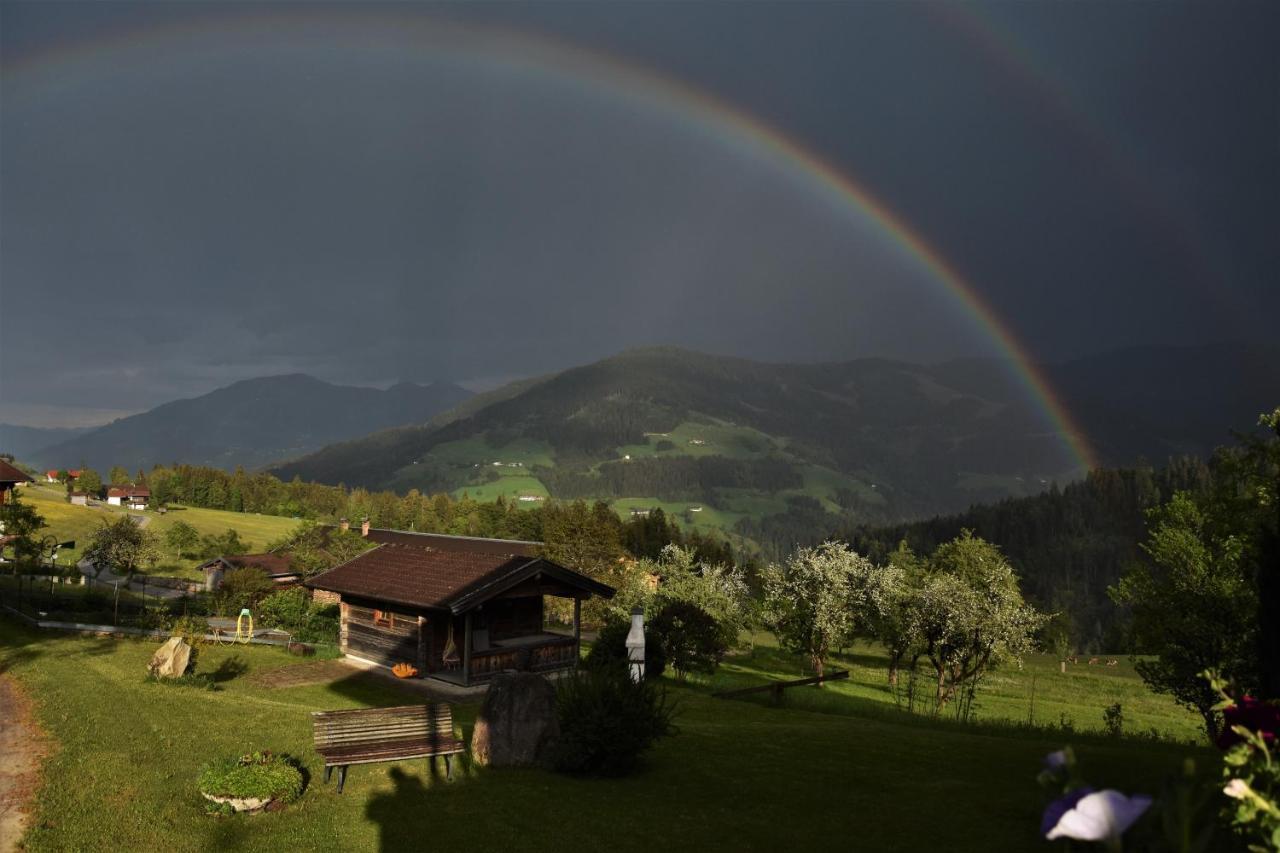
272	563
11	474
128	492
432	577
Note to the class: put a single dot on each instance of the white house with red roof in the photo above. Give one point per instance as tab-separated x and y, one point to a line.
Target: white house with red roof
133	497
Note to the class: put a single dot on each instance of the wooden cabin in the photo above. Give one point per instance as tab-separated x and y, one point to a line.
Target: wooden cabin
10	477
457	608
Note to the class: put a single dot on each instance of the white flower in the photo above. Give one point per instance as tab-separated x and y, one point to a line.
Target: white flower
1100	816
1237	788
1056	760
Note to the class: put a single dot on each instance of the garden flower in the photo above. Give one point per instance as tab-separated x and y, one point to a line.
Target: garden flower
1056	760
1054	811
1237	789
1256	716
1094	816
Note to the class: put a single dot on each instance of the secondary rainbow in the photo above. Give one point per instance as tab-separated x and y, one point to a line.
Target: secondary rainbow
604	74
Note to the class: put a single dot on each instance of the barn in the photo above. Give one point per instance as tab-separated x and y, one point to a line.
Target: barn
456	608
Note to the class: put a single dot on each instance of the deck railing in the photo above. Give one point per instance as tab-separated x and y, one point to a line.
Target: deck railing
560	653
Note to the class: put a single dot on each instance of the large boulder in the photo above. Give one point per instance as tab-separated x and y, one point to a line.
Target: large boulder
171	660
517	725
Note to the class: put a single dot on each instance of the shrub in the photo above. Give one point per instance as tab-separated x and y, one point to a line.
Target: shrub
292	610
287	610
258	775
607	721
609	651
155	617
243	588
1113	720
691	639
226	545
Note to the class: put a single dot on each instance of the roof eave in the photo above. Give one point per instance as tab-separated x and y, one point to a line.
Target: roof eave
516	576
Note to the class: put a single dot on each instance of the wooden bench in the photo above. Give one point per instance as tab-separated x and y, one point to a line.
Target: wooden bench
775	688
370	735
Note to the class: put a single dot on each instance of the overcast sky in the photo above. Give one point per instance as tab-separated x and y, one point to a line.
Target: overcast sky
194	193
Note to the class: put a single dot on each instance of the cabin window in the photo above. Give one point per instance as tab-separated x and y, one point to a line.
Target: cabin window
384	618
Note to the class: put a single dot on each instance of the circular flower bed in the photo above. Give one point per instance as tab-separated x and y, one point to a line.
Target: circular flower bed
251	782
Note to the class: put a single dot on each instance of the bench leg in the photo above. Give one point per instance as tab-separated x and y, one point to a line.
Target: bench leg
328	772
342	777
448	767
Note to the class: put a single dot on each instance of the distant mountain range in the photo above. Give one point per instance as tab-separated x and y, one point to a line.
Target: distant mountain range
729	443
251	423
24	441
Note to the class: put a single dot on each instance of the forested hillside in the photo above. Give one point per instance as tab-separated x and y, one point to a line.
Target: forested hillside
733	436
1068	545
778	455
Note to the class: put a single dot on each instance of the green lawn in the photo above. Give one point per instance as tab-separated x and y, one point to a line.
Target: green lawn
739	775
1037	692
509	485
78	523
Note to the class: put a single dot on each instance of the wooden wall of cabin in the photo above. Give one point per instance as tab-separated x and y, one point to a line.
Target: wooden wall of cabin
378	633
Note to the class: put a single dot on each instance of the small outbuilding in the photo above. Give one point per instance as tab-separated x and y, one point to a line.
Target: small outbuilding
456	608
277	566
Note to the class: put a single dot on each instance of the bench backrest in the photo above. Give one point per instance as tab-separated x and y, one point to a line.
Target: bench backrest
379	725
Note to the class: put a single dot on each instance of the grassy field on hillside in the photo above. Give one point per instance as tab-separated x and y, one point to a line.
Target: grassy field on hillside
739	775
710	438
1036	692
77	522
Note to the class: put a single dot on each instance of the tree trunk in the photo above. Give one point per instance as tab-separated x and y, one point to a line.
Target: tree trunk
895	662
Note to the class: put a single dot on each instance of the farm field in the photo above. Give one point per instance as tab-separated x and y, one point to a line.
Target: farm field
69	522
738	775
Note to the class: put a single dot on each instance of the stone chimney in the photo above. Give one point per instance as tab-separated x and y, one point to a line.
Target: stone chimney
364	526
344	525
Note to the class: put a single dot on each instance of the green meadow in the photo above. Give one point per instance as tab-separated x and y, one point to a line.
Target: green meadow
69	522
825	766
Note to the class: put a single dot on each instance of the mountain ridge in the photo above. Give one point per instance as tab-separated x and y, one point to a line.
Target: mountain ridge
251	423
888	438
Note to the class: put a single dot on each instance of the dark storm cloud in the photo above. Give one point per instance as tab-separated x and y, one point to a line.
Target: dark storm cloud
280	199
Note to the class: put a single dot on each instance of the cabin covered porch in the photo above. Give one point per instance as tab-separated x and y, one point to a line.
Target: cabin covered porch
495	627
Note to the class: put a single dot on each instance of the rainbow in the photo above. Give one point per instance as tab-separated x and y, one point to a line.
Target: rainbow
1011	55
605	74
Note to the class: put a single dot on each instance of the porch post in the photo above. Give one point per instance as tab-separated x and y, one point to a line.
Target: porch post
466	650
422	646
577	630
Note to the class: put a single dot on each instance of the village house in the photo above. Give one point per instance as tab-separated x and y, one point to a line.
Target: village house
133	497
52	476
456	608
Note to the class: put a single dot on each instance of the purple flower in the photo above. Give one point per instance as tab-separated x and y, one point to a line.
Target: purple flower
1055	760
1256	716
1092	816
1055	810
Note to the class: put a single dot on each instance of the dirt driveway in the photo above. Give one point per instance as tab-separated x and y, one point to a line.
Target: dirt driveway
20	752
